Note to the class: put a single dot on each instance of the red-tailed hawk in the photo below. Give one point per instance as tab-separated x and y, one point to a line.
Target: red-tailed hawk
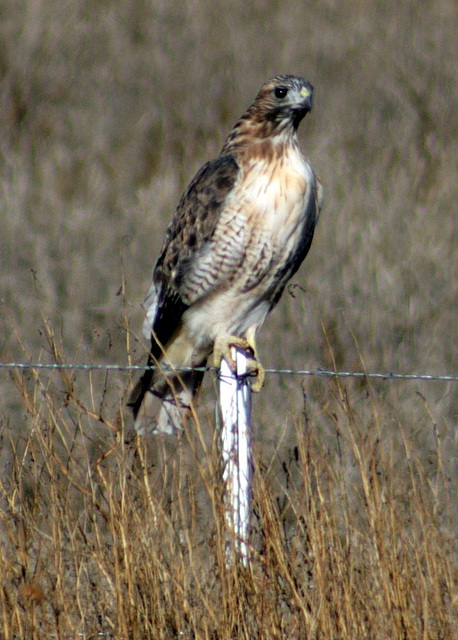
241	230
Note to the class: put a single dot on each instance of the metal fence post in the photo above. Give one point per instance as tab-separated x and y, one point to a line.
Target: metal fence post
235	402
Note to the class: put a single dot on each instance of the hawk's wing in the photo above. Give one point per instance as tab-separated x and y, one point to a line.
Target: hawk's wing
182	274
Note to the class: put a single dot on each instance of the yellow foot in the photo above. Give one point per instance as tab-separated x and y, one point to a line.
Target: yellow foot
222	348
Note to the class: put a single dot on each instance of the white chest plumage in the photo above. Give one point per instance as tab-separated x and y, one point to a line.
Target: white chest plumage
272	198
275	191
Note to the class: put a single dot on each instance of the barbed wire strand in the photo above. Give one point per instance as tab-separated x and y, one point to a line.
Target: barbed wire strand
301	372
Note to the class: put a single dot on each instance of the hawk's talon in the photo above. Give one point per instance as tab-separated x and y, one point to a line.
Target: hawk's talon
258	384
223	349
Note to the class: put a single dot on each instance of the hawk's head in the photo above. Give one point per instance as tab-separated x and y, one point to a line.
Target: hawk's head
282	101
277	110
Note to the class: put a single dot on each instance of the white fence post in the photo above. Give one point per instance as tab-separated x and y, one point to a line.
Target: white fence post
235	400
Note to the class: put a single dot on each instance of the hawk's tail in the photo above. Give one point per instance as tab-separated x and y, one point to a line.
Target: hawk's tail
164	407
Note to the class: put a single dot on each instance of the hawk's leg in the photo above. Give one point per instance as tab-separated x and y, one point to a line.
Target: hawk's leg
222	349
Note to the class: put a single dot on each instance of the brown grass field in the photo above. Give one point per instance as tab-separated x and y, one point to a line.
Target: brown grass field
107	110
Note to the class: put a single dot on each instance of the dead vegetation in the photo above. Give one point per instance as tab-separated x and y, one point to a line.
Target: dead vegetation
106	535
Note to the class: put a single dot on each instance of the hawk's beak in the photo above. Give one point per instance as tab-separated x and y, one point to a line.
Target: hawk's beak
305	92
306	95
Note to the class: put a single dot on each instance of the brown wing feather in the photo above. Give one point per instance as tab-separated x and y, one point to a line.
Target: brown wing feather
191	229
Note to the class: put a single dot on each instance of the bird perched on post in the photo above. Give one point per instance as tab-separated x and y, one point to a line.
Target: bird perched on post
240	231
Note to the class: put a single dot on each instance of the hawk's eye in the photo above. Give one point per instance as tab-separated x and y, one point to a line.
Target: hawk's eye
280	92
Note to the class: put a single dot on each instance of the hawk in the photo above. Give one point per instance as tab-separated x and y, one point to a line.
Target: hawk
240	231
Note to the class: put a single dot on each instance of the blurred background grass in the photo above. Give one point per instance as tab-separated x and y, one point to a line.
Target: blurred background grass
107	110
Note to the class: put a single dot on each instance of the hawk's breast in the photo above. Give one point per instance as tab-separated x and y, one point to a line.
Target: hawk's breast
273	197
258	234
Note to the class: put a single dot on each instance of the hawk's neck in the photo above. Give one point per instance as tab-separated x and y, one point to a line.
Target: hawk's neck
250	133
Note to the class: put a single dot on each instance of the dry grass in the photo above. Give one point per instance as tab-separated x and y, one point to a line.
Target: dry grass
104	533
107	109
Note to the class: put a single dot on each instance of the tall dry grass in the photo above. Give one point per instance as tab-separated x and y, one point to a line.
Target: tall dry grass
108	535
107	109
